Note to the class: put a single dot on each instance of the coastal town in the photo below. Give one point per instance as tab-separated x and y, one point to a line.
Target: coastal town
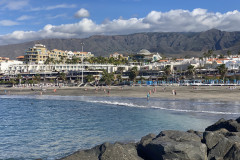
39	65
119	80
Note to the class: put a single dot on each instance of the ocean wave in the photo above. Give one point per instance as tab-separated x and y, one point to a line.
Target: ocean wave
127	103
162	108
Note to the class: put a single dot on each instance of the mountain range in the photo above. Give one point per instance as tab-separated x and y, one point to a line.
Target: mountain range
167	43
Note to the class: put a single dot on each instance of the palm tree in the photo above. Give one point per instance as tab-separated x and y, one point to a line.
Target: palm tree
47	61
75	60
133	74
37	78
19	77
107	77
191	70
62	76
90	78
222	71
167	70
119	78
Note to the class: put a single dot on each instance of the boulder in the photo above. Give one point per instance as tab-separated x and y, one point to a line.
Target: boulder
220	150
233	153
238	119
88	154
142	144
107	151
220	143
118	151
198	133
211	139
230	125
176	145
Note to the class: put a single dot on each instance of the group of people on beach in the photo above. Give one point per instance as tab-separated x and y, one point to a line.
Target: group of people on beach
154	90
104	90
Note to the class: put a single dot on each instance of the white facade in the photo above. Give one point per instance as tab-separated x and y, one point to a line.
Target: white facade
35	68
4	65
233	64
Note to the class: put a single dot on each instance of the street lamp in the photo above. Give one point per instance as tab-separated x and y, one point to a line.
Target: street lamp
82	61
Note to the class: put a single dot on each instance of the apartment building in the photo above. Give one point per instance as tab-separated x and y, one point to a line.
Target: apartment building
57	54
39	54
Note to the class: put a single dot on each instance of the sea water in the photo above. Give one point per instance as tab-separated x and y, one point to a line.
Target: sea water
51	127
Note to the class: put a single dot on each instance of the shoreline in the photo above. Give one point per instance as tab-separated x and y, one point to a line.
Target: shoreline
213	93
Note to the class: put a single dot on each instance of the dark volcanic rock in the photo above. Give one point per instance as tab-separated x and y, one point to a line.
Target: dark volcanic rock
142	144
234	153
223	147
220	141
230	125
89	154
200	134
107	151
176	145
213	138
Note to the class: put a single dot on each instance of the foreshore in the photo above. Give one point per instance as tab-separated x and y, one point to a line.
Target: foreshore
215	93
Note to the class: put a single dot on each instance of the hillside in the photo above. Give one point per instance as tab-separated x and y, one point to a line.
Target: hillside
167	43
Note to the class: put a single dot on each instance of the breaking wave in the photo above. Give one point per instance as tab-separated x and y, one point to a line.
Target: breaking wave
162	108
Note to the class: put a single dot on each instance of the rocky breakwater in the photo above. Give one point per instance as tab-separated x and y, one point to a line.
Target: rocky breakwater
219	141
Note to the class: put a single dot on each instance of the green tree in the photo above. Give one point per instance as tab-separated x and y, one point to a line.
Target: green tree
119	78
47	61
90	78
167	70
107	77
37	78
62	76
222	71
13	82
75	60
133	74
191	70
19	78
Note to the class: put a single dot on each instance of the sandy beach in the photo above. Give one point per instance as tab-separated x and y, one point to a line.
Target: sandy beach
216	93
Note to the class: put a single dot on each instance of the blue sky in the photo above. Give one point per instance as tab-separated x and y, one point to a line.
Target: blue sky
26	20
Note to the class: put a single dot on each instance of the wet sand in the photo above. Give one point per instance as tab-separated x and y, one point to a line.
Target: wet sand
216	93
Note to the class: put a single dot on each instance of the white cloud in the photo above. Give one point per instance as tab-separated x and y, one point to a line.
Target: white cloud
60	6
8	23
14	4
82	13
57	16
171	21
24	17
